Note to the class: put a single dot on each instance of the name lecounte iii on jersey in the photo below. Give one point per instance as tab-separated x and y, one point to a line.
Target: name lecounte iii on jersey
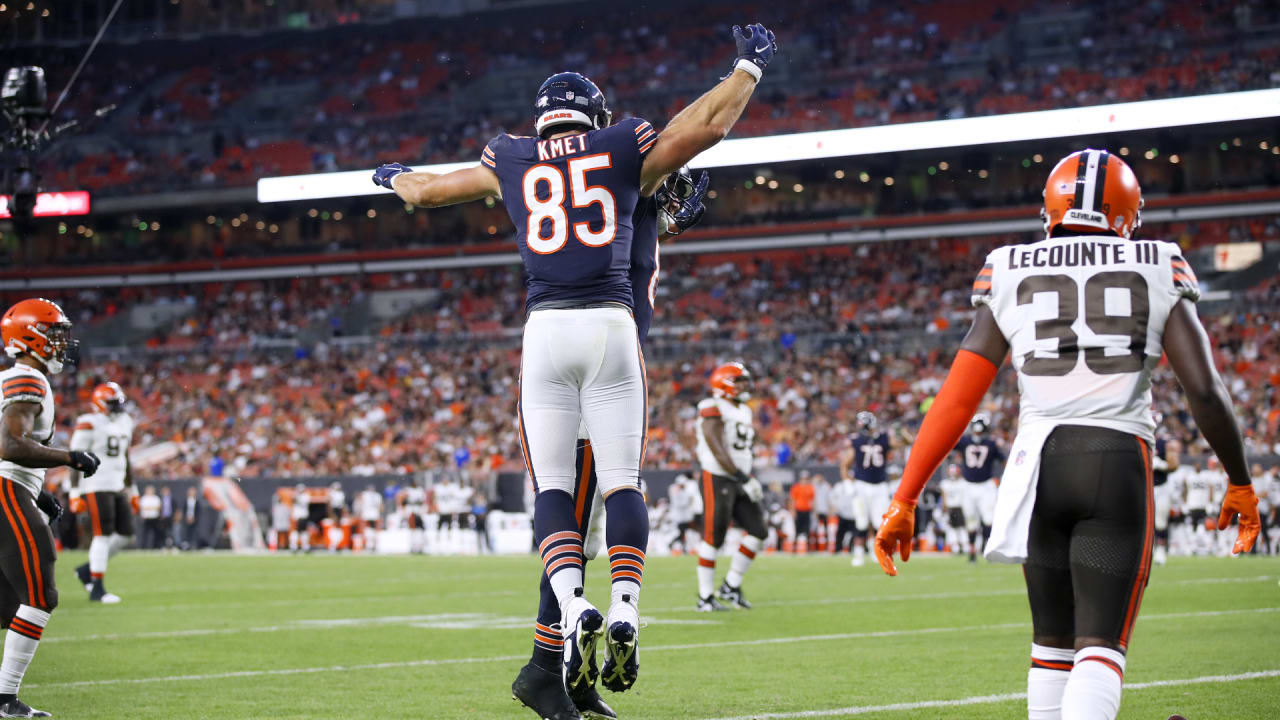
571	191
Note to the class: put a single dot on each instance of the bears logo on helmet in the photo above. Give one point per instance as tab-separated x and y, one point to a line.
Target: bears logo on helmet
38	327
1092	191
569	98
732	381
108	398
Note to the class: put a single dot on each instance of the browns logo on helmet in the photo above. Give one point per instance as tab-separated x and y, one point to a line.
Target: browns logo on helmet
1091	191
732	381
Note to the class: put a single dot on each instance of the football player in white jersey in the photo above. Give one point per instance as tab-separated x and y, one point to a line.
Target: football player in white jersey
107	496
413	508
1087	313
726	437
37	336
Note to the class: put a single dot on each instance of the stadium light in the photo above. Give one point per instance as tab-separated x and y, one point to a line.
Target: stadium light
1015	127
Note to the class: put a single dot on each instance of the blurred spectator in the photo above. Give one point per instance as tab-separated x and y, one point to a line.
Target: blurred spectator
149	508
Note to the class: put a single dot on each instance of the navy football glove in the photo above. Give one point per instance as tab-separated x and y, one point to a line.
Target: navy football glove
691	207
382	176
756	47
49	505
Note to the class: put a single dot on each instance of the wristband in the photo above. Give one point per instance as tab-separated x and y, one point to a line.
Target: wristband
750	68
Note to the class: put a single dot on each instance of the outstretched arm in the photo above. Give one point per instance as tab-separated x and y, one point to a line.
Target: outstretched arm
709	118
426	189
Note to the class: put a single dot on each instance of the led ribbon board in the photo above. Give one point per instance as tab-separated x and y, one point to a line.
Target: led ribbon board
1096	119
53	204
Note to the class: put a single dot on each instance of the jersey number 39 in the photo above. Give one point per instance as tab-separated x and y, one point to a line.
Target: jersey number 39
549	205
1133	326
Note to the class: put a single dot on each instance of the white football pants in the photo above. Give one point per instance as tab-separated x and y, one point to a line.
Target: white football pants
870	503
582	366
979	504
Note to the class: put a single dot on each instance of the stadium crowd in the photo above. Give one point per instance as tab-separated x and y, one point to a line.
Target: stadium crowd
236	384
193	123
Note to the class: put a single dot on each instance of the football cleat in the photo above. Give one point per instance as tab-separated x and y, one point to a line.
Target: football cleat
1160	556
542	691
17	708
582	627
859	556
733	596
623	664
85	578
709	604
588	702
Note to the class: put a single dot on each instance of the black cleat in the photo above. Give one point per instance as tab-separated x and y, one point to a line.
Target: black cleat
542	691
84	576
709	604
623	665
588	702
734	596
17	708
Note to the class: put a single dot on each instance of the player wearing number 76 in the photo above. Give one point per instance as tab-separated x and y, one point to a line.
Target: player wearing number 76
571	192
1087	313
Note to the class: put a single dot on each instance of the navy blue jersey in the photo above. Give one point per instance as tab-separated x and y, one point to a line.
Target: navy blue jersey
978	458
571	200
1160	477
644	263
870	457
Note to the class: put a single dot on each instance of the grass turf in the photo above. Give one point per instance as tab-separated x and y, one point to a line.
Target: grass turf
319	636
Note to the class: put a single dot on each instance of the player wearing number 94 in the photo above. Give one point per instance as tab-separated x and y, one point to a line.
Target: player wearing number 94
571	192
1087	313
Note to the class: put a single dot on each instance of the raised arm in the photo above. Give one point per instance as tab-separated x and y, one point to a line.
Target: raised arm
708	119
1187	347
429	190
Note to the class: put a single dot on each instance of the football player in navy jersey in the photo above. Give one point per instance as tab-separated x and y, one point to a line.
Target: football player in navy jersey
571	193
867	461
676	207
978	457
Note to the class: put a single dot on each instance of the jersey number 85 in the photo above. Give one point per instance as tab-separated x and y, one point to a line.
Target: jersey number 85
550	179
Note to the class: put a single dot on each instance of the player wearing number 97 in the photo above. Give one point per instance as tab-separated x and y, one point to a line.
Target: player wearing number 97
726	437
1087	313
571	192
108	495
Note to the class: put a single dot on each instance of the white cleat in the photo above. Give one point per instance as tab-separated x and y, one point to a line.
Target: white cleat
107	599
859	558
1160	555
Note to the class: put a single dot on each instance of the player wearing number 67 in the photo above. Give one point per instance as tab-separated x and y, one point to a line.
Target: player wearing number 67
1087	313
109	495
571	192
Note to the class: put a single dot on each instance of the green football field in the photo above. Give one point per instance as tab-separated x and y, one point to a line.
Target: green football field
320	636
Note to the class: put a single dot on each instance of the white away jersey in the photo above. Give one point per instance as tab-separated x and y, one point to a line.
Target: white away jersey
739	435
23	383
108	437
1084	316
1204	489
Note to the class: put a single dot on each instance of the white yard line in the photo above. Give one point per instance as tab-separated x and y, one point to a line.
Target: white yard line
510	658
988	699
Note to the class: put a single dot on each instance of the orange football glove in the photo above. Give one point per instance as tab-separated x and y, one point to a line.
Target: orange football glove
133	503
77	504
897	532
1241	500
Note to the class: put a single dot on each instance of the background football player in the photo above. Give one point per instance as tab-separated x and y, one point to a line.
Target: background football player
1165	459
979	454
108	496
37	335
730	493
1075	505
867	460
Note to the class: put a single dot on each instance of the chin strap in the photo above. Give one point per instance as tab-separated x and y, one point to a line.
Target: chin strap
945	423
